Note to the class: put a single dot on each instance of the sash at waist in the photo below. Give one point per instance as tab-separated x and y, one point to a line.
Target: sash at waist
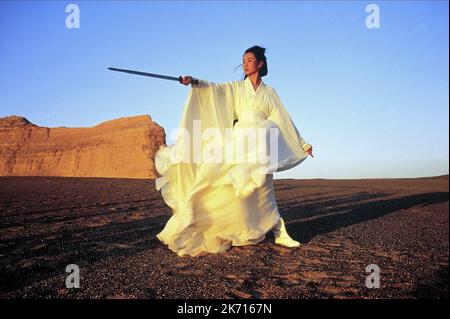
248	116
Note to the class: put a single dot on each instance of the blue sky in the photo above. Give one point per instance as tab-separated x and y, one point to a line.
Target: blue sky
372	102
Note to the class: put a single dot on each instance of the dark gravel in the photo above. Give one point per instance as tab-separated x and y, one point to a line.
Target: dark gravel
107	227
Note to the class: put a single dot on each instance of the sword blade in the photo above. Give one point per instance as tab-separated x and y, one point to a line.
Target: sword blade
153	75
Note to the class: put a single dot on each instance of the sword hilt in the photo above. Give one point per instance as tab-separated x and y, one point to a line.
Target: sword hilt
180	79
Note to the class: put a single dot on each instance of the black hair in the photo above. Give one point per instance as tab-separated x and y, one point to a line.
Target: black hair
259	53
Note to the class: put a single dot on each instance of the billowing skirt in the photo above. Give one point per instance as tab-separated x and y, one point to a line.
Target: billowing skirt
221	204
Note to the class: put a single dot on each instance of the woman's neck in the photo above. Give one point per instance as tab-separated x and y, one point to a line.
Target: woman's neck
255	78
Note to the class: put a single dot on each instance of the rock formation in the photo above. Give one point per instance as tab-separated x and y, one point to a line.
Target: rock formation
121	148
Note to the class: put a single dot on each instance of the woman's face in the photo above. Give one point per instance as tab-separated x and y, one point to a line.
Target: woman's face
250	65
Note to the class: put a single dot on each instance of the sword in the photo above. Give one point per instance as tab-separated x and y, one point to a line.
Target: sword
154	75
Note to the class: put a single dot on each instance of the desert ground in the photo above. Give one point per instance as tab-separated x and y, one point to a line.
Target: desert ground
107	227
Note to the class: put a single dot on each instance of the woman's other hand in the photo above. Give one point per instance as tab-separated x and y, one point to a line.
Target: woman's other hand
309	151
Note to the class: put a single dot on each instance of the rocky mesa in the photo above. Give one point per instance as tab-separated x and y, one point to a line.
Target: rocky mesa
122	148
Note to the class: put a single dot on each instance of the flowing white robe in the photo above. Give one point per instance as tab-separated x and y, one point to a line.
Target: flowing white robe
219	194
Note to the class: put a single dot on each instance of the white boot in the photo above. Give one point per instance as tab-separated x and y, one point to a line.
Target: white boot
282	237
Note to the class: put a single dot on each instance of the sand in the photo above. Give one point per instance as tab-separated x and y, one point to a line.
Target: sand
107	227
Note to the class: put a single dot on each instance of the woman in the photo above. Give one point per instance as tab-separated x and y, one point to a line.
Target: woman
217	202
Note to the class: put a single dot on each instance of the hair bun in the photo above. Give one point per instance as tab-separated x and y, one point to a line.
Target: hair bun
263	50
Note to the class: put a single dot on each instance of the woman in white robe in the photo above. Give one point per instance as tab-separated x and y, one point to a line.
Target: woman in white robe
226	197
